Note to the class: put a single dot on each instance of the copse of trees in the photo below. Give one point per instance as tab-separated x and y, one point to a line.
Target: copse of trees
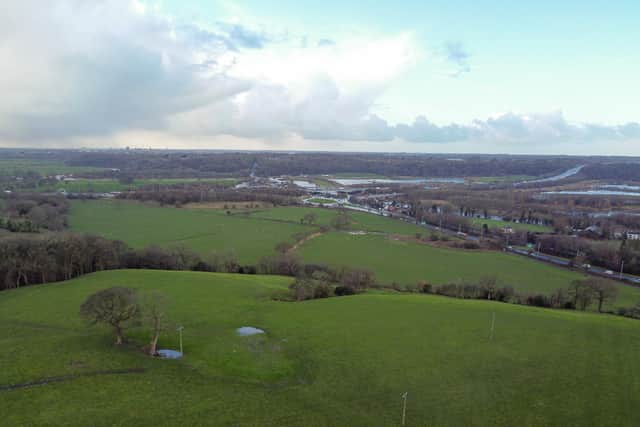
30	213
581	294
212	193
201	164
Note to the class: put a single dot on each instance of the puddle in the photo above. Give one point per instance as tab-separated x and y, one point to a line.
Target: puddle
246	331
169	354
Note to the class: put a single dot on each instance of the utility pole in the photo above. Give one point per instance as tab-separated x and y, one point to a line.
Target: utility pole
493	323
404	407
621	268
180	328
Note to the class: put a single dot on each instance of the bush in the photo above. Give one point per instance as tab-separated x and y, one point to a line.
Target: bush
322	290
343	290
358	279
425	288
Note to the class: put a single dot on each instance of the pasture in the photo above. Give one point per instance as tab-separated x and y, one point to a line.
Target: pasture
407	262
250	233
331	362
203	230
109	185
19	166
495	223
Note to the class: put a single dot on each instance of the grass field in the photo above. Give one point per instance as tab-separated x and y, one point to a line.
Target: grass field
109	185
333	362
250	233
320	201
495	223
499	179
20	166
408	263
203	230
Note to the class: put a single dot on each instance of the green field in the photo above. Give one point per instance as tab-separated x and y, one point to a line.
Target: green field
495	223
409	262
109	185
203	230
251	234
43	167
499	179
332	362
320	201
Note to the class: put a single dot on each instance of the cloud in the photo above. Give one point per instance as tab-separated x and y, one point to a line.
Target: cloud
75	68
457	56
72	70
326	42
243	36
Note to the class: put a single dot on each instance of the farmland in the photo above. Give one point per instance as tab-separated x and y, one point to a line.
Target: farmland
315	365
408	262
495	223
109	185
43	167
250	233
203	230
253	233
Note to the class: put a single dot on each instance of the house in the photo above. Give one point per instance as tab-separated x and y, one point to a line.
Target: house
633	235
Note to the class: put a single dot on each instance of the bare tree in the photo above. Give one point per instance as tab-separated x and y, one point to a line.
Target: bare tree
603	290
582	293
154	317
117	307
309	218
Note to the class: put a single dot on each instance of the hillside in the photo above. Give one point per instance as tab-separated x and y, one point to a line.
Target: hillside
338	361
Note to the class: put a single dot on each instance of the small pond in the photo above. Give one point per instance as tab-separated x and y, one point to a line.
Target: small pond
246	331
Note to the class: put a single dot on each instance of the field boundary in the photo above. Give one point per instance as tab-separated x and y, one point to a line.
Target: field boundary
304	240
58	379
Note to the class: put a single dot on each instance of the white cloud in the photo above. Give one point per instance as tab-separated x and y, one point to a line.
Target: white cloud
72	70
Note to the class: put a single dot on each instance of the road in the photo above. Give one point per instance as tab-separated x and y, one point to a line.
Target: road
561	262
597	271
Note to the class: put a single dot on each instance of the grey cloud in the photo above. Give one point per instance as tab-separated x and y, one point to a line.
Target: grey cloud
96	68
82	76
423	130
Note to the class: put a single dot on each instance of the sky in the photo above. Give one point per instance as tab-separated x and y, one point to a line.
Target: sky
488	76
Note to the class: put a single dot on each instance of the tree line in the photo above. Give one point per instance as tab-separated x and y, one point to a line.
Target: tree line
30	213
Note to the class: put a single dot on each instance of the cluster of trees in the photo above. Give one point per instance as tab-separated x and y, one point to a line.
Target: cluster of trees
622	171
121	308
196	193
581	294
29	213
324	283
606	254
42	258
149	163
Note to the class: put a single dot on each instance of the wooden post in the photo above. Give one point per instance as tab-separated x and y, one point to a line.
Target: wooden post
180	331
493	322
404	407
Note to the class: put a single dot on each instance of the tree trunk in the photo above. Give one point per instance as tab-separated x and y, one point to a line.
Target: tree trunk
119	338
153	345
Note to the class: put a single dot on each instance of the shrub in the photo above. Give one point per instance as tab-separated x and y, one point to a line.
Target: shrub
425	288
343	290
